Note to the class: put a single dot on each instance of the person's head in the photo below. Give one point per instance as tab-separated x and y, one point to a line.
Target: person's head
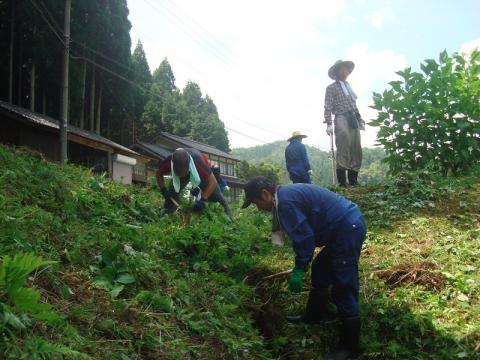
181	162
260	191
343	72
341	69
297	135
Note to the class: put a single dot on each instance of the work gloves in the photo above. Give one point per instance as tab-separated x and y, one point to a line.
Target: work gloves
199	205
310	172
166	194
296	280
330	129
195	192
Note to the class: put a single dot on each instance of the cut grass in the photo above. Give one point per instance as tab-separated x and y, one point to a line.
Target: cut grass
199	290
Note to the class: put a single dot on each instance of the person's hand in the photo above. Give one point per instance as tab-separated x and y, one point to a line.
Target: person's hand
330	130
310	172
165	193
296	279
361	124
199	205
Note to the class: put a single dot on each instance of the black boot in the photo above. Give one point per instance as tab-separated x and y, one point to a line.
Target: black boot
316	311
353	178
348	346
342	181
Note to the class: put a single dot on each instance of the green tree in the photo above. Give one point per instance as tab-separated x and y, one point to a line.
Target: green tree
432	118
142	77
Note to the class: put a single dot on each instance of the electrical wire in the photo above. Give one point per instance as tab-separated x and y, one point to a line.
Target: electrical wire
113	73
52	28
175	19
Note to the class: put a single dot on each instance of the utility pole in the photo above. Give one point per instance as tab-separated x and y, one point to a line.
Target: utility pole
66	57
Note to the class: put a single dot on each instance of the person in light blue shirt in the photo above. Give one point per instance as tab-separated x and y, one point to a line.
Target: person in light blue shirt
316	217
296	159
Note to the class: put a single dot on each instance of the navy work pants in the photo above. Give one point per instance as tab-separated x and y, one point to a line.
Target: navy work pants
304	179
337	265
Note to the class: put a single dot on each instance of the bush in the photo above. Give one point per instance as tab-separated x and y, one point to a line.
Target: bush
432	118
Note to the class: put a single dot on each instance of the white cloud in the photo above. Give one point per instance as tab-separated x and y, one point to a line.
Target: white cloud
266	63
467	48
377	20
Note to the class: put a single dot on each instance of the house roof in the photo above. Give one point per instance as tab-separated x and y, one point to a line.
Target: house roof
204	148
153	150
30	117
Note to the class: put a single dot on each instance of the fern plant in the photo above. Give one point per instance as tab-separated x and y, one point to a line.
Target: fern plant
18	303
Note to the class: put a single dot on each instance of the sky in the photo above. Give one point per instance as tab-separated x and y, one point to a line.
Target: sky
265	62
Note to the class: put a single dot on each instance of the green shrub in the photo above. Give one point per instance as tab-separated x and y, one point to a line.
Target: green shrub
432	118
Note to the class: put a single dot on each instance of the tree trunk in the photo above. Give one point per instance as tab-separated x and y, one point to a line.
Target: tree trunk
32	87
81	123
92	101
12	40
44	100
20	67
99	105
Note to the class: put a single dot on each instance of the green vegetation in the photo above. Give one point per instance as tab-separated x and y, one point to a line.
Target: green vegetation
432	119
112	91
269	160
111	279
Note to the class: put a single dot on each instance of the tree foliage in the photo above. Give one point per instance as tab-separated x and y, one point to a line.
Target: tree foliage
432	118
125	102
320	161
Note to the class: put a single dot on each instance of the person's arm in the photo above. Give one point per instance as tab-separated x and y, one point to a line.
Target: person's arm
328	105
296	225
163	168
287	159
206	175
305	158
211	186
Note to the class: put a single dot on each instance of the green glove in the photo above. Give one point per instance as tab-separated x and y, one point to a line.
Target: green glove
296	278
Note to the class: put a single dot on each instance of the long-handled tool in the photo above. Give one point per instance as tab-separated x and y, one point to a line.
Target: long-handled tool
332	156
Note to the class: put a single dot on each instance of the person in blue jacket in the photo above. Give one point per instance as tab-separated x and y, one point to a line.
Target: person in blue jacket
316	217
296	158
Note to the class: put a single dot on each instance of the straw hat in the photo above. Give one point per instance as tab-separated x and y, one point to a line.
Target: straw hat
296	134
332	72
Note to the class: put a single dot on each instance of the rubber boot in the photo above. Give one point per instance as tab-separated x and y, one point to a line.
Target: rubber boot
352	178
316	310
348	346
342	181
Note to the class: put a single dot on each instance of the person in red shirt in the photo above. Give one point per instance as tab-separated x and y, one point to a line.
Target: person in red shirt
189	166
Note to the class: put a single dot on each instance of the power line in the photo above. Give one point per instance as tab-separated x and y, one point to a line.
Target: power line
175	19
214	39
148	91
42	15
51	17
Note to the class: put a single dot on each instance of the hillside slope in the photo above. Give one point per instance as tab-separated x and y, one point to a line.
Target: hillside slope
127	283
372	171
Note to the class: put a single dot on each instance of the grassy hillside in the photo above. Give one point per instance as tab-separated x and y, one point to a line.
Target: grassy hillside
372	172
126	283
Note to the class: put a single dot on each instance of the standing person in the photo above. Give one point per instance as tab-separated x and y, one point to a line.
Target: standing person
315	217
296	159
340	101
190	165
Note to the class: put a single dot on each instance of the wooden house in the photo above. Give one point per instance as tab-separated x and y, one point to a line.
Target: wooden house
21	127
166	143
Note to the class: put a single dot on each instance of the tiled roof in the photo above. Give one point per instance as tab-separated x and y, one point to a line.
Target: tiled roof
204	148
153	150
49	122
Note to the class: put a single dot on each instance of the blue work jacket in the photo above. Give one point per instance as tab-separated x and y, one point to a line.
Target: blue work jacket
311	216
296	159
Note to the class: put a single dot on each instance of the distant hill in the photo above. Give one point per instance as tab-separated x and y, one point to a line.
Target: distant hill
372	171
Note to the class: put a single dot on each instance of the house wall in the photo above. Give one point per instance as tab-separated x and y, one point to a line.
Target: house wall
122	172
13	132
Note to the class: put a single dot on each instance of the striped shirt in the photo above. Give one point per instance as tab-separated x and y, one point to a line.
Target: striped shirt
337	102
